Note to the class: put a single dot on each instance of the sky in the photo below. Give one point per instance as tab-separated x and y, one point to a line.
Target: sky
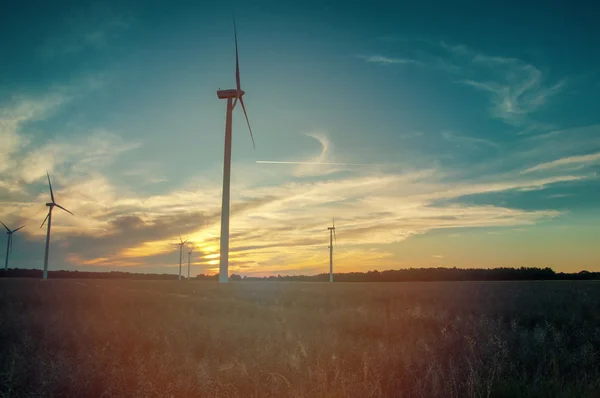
438	135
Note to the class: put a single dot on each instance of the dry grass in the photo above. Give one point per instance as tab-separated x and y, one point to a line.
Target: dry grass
146	338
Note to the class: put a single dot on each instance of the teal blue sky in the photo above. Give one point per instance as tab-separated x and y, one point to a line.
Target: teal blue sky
461	135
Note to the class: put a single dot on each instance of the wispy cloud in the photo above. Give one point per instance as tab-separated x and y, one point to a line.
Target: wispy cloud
575	149
571	161
146	172
560	195
13	116
468	141
517	89
80	154
512	103
382	60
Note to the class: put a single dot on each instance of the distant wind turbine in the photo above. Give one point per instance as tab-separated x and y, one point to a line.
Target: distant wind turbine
331	239
49	219
182	242
9	242
190	259
230	94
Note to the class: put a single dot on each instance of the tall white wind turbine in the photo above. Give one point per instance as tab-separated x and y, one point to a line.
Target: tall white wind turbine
190	259
332	237
9	243
49	219
230	95
182	242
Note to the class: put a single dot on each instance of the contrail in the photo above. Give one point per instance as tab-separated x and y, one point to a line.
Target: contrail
322	163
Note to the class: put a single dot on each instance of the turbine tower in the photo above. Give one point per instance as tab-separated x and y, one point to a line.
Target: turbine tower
182	242
332	237
230	95
49	219
9	243
190	259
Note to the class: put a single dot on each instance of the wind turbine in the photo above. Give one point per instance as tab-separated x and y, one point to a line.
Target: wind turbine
9	242
182	242
230	94
332	237
49	219
190	259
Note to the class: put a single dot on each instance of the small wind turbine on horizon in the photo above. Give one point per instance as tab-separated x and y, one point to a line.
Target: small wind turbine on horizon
9	242
190	259
332	237
49	219
230	94
182	242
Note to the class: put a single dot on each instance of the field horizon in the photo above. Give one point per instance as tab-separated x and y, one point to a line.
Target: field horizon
390	275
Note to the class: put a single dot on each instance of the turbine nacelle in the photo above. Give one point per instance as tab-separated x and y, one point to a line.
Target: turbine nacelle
231	93
49	204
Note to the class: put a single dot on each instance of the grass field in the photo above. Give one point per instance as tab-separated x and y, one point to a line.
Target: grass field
270	339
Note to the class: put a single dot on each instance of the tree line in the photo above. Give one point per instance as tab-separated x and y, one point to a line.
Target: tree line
400	275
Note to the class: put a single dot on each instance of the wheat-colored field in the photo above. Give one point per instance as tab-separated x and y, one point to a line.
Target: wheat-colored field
90	338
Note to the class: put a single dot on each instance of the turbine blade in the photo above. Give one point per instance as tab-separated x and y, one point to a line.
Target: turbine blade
64	209
247	121
5	226
333	222
18	229
334	237
48	215
184	242
50	184
9	244
234	103
237	60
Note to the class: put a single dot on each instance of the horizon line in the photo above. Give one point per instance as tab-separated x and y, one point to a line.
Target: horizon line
520	268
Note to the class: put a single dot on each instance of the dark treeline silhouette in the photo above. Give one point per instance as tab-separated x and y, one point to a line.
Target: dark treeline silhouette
37	273
402	275
439	274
